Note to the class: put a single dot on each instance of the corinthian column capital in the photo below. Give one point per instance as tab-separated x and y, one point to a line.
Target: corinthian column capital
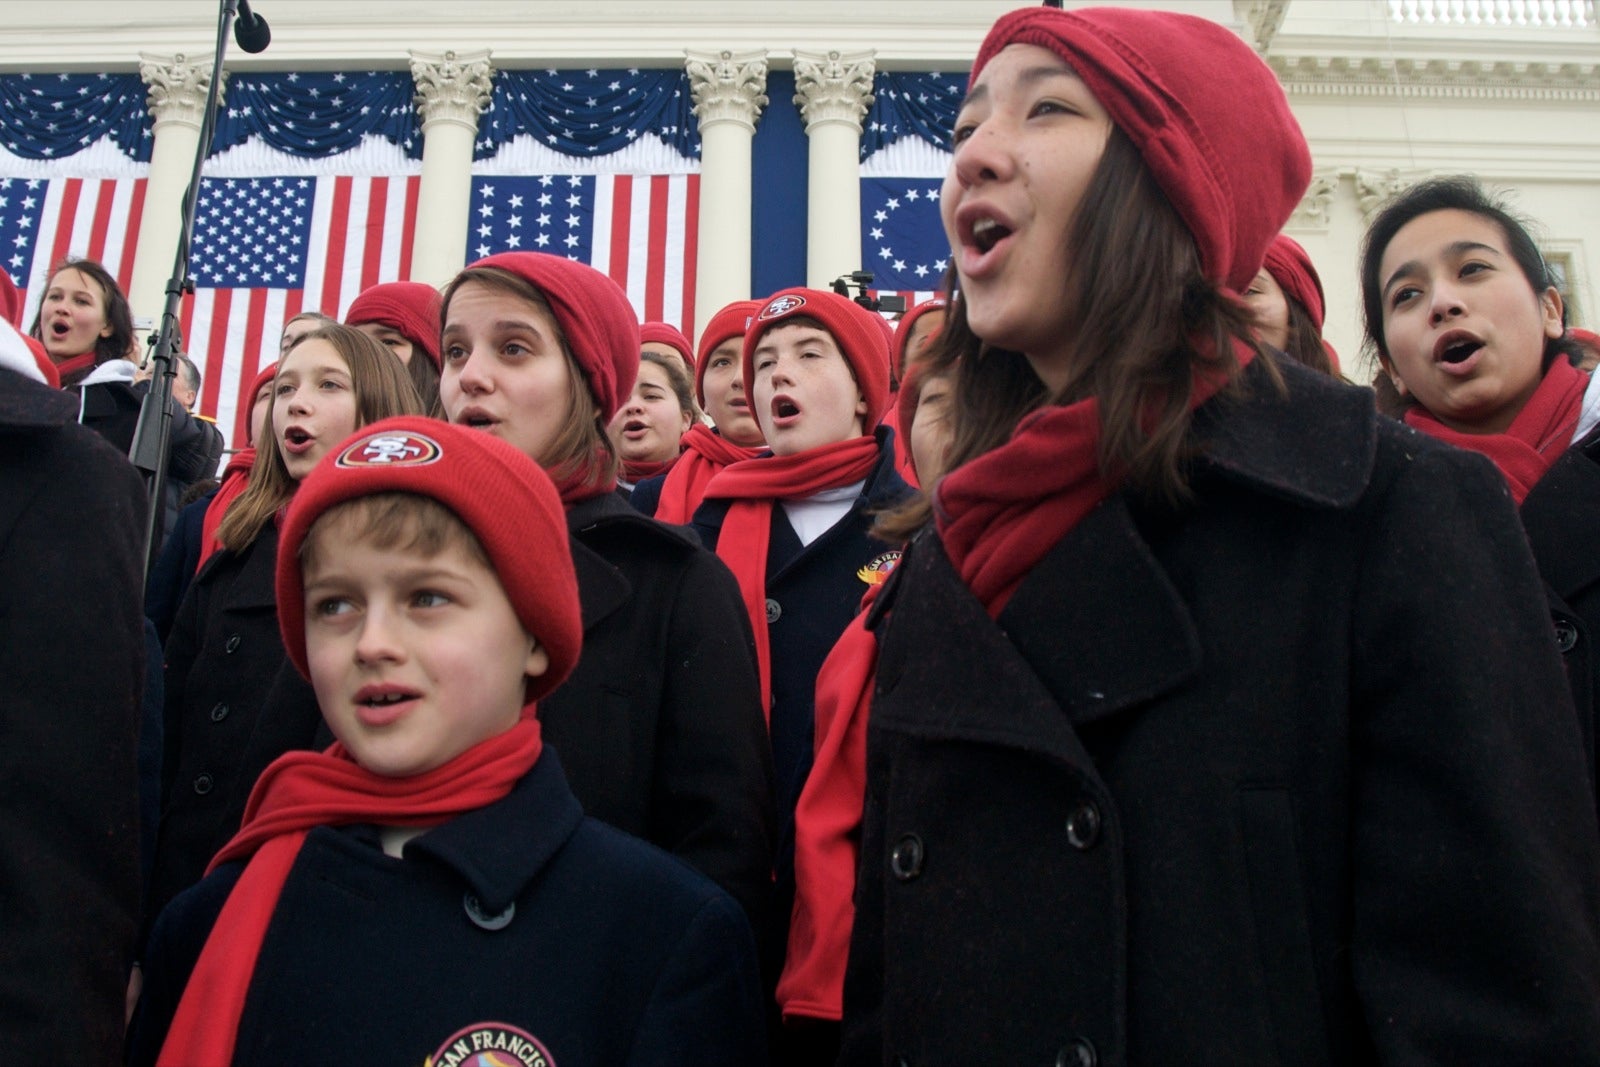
727	86
178	88
833	87
451	87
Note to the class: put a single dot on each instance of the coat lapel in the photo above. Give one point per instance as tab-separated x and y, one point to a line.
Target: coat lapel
1566	499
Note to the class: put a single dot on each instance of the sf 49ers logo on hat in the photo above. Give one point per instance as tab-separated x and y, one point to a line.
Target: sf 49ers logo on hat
782	306
391	449
491	1045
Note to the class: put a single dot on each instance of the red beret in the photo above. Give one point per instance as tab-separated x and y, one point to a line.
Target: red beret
664	333
731	321
410	307
501	495
599	325
1206	114
1291	268
902	332
859	333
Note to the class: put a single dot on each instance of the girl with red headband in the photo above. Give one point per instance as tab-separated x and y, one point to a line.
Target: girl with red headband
1471	333
404	318
1286	296
1215	719
734	433
659	727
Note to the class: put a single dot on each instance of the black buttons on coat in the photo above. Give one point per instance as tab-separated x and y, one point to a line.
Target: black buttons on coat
1077	1053
219	713
484	919
203	784
774	611
1566	635
233	644
905	859
1083	826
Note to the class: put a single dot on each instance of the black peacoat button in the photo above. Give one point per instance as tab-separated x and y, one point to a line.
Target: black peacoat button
203	784
233	643
1083	826
1077	1053
774	611
1566	635
906	858
484	919
219	713
901	1061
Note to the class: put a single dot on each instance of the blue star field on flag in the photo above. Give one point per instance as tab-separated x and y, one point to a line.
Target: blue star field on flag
902	239
52	116
252	232
543	213
21	202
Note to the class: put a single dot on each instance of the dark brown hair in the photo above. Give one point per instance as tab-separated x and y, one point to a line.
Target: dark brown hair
1142	318
118	315
381	389
1304	345
677	377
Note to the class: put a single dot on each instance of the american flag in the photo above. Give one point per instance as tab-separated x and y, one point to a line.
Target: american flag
266	249
902	239
639	229
44	220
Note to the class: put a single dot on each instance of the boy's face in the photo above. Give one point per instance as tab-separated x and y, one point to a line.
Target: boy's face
414	658
805	393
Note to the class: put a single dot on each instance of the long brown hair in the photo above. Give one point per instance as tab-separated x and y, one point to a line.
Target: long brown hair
1142	318
381	389
582	443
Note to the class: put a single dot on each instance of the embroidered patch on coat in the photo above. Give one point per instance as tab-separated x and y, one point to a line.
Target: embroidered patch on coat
877	572
491	1045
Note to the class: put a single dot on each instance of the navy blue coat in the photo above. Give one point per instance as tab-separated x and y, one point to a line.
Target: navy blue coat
1285	774
523	917
813	592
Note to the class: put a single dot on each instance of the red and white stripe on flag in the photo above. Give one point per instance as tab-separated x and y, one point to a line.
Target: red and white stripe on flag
84	218
361	235
645	239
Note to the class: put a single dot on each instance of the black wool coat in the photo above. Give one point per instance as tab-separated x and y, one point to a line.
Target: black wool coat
659	726
224	657
1286	775
522	919
72	668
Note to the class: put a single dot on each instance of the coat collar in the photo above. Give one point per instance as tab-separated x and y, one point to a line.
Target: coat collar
27	406
602	588
497	850
1316	443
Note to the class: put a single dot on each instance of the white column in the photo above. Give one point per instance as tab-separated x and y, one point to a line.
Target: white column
729	93
833	91
177	101
452	91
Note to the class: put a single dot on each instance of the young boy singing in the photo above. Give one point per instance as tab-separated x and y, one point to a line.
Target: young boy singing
428	890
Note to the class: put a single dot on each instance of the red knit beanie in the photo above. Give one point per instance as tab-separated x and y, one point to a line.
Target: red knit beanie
501	495
902	332
1206	114
731	321
664	333
410	307
1291	268
863	342
599	325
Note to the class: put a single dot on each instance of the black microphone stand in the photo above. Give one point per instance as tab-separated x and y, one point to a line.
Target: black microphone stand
152	438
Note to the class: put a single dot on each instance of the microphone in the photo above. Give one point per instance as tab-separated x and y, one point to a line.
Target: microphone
251	31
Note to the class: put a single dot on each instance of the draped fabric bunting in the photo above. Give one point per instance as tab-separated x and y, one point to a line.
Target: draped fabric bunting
319	114
639	230
52	116
46	220
266	249
586	113
906	104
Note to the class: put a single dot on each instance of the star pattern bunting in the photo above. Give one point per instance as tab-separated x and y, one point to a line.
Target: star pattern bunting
924	105
252	232
52	116
590	112
902	239
319	114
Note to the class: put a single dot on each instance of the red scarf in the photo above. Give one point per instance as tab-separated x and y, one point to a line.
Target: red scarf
634	473
1535	439
299	791
235	480
999	514
580	485
705	454
754	485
